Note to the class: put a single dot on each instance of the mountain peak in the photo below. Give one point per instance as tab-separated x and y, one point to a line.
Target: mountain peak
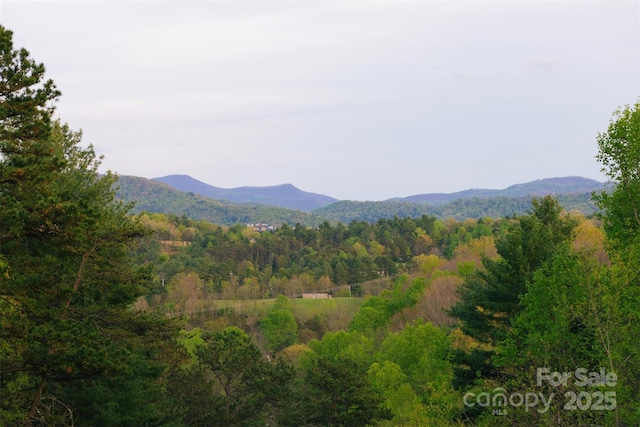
282	195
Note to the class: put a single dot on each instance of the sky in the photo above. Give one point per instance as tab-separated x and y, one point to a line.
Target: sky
355	99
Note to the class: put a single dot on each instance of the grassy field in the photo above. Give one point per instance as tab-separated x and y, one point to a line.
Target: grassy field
303	309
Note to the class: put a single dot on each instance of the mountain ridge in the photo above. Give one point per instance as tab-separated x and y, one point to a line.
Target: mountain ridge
155	196
290	197
282	195
539	187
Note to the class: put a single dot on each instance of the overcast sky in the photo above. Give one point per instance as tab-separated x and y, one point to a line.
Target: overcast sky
360	100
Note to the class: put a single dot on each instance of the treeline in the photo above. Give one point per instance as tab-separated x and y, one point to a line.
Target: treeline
239	262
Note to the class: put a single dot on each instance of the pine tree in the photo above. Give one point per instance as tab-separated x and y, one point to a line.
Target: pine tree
66	278
490	298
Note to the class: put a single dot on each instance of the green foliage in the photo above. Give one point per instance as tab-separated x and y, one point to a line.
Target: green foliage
191	340
407	375
414	376
282	303
237	262
388	380
377	311
490	298
558	328
335	392
236	385
67	278
77	348
420	350
347	211
355	346
578	313
26	103
619	154
280	330
369	318
575	308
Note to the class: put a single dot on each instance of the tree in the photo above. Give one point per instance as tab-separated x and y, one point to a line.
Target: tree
26	100
420	351
334	392
186	290
332	388
67	278
388	380
246	387
280	330
619	154
581	308
490	298
563	318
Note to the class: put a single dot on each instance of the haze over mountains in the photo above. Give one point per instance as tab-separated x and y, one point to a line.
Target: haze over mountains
291	197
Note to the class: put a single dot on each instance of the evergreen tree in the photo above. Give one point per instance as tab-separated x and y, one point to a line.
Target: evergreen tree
490	298
246	388
67	278
581	310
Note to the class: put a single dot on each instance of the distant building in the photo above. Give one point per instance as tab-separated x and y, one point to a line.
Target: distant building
261	226
318	295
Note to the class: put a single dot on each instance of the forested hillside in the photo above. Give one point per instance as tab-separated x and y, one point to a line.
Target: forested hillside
539	188
155	197
459	209
293	260
110	317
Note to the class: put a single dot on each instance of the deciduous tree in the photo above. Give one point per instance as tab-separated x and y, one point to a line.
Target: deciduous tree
619	154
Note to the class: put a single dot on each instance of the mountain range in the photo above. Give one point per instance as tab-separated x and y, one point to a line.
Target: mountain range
182	195
290	197
541	187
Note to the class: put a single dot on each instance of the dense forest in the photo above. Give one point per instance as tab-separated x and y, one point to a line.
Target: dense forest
115	317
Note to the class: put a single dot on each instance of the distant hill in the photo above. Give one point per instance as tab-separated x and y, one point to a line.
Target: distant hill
541	187
157	197
154	196
573	193
284	195
459	209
